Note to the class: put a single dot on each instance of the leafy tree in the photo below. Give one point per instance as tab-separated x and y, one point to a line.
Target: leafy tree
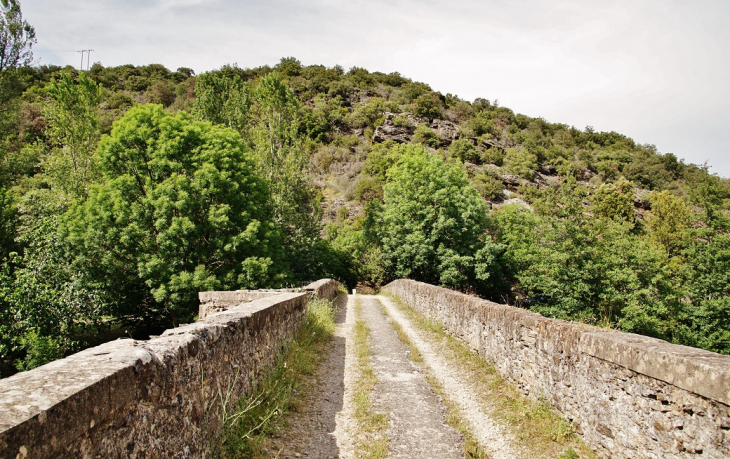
72	115
17	37
222	97
181	209
464	150
668	221
282	160
426	137
592	270
489	186
427	106
433	224
8	222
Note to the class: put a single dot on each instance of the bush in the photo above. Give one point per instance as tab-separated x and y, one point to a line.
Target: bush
493	156
368	188
426	136
521	163
489	186
428	106
464	150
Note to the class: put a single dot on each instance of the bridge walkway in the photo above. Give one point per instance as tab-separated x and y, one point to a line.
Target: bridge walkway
410	394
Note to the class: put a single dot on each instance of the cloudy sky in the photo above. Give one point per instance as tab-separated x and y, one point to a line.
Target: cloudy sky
658	71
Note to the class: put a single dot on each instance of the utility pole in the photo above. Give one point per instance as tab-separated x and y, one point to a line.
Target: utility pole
88	58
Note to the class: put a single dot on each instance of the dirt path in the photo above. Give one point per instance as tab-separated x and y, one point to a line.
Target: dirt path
490	435
325	427
311	432
417	416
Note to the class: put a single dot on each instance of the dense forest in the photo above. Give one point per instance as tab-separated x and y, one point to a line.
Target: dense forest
126	190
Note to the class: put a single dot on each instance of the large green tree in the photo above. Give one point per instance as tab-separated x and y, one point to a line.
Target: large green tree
283	161
433	225
181	209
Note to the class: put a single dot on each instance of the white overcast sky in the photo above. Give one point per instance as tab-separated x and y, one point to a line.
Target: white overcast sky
657	71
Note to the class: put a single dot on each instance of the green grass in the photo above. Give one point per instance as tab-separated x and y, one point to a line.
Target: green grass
261	413
372	442
536	425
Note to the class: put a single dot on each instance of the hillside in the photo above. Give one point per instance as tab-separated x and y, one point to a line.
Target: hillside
115	212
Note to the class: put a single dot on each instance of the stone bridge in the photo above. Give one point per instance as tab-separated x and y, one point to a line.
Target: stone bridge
626	395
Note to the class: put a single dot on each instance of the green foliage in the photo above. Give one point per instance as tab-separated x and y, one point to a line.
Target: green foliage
489	185
593	270
427	106
614	200
181	209
382	158
464	150
433	224
282	160
426	137
40	350
8	222
161	92
668	221
222	98
47	301
368	188
368	115
493	156
521	163
72	115
17	37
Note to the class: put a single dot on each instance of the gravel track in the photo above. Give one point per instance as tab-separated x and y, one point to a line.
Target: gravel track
490	435
326	427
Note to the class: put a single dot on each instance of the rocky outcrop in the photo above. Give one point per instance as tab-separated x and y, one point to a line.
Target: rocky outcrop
401	129
446	130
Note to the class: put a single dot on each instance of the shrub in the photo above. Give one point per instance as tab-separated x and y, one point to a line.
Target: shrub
464	150
426	136
521	163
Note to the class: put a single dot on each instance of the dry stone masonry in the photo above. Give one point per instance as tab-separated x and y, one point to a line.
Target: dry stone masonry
626	395
156	398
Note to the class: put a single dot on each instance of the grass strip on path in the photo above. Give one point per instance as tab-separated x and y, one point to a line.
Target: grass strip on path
536	426
372	442
472	449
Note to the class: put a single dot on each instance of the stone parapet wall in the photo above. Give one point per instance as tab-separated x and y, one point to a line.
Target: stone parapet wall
323	288
627	395
156	398
212	302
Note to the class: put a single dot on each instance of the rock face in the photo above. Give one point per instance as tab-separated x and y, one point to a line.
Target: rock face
156	398
403	131
626	395
446	130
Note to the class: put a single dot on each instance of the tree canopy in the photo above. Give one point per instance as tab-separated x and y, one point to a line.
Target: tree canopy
17	37
181	209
